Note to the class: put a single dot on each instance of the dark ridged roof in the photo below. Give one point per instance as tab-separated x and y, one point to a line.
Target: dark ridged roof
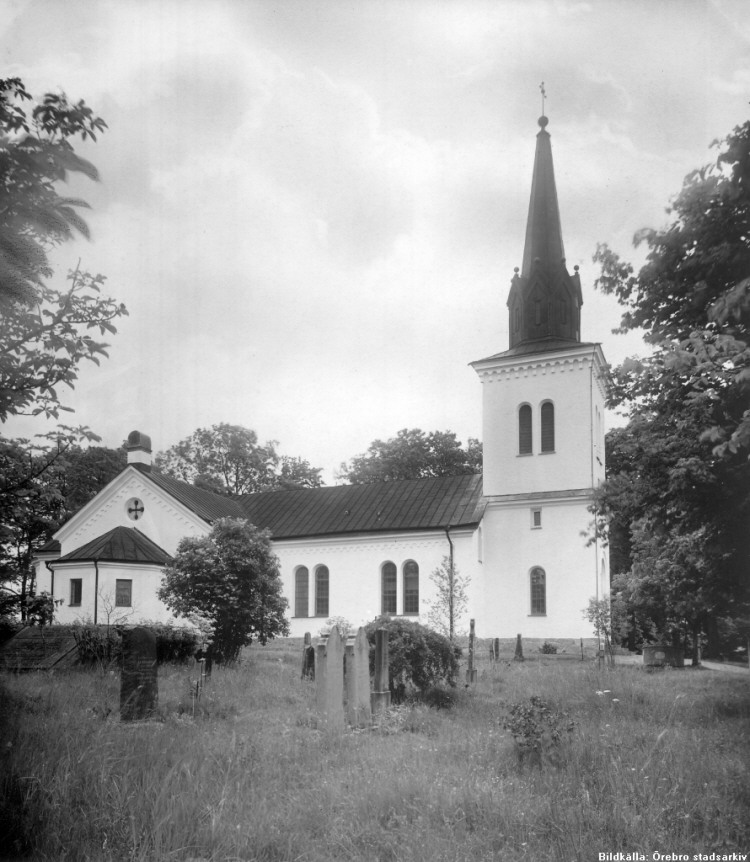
205	504
543	345
121	545
415	504
51	547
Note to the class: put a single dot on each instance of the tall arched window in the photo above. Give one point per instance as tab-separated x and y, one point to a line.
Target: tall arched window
524	430
388	588
321	591
548	427
301	592
411	587
538	581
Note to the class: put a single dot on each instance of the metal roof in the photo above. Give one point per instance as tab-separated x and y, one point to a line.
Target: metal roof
542	345
413	504
121	545
205	504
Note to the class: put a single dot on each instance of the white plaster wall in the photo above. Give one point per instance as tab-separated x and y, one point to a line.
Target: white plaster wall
572	383
512	548
164	520
354	565
145	605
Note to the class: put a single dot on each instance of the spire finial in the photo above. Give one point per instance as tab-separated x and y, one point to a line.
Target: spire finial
544	96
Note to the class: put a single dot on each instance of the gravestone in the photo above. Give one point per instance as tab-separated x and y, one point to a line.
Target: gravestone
329	678
496	648
519	649
471	671
380	698
308	658
357	680
139	690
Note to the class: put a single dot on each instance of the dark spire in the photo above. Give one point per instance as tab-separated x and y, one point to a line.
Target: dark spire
544	300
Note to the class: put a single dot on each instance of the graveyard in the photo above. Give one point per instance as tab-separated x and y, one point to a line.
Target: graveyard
539	760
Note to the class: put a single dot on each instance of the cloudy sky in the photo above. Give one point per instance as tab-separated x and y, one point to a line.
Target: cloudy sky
313	209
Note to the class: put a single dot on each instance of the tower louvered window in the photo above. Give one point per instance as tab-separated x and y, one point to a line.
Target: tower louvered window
548	427
525	439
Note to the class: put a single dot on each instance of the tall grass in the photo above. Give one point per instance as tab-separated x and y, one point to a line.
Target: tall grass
654	762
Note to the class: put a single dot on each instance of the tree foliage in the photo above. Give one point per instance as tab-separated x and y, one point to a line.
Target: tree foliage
413	454
228	459
36	154
43	346
42	484
677	496
418	657
451	598
231	577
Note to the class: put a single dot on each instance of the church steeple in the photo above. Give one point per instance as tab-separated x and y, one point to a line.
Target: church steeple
545	300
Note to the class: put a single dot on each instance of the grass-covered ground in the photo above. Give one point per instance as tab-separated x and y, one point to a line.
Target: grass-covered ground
654	762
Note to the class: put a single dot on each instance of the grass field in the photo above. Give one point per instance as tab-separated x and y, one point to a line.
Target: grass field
654	763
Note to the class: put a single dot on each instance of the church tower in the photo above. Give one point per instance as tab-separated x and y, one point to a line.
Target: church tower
543	435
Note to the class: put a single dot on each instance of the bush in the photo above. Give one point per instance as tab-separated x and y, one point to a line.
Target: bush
537	728
103	644
548	649
418	658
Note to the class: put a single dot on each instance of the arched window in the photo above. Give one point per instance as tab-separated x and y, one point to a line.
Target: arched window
321	591
411	587
524	430
388	588
538	592
301	592
548	427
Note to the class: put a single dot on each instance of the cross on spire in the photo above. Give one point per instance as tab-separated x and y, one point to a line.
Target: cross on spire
544	95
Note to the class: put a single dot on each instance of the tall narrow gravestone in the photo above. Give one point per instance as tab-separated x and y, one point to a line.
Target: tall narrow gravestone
308	658
380	698
329	680
471	671
139	691
357	680
519	649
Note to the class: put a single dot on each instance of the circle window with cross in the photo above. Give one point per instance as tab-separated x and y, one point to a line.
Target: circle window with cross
135	508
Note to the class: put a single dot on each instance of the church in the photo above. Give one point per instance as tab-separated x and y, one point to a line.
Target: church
358	551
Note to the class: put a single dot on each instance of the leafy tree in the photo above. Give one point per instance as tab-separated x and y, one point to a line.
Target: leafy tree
451	599
418	658
41	486
231	577
677	495
227	459
412	454
43	346
36	154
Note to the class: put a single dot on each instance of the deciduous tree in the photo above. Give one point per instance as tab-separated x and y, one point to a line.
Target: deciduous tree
413	454
231	577
36	154
228	459
677	495
451	598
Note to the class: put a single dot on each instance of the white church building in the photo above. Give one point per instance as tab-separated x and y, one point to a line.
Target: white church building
357	551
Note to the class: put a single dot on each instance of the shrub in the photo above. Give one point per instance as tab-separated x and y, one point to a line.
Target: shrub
537	729
97	644
418	658
548	649
103	644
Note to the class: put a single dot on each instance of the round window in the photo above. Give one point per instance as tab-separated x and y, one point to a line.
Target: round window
134	508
